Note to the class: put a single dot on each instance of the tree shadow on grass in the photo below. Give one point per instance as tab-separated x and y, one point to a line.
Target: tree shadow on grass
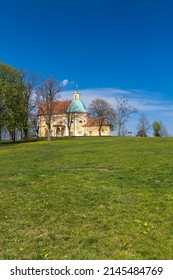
42	139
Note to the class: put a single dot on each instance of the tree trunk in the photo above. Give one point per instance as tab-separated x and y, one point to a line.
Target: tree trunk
100	131
26	134
25	129
119	130
48	132
13	136
68	128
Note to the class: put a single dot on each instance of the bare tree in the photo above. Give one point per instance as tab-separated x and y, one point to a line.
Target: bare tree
70	117
124	130
143	126
28	100
123	112
47	95
103	112
163	130
34	124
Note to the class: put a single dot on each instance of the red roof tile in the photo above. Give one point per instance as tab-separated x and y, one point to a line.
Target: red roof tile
95	122
58	107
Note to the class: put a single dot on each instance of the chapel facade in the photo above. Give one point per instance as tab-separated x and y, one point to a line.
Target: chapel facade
71	118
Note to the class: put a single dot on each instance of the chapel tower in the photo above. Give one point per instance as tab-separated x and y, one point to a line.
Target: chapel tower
76	95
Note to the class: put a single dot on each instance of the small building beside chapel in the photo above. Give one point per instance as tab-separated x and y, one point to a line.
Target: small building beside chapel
71	118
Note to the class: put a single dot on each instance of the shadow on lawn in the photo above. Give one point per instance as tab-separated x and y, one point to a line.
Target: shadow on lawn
42	139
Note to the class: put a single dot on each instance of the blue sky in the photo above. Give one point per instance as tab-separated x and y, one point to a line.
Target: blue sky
111	48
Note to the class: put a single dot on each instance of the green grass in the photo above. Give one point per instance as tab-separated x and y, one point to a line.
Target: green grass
87	198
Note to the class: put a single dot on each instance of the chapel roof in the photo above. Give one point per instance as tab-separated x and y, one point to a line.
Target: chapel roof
58	107
71	106
77	105
95	122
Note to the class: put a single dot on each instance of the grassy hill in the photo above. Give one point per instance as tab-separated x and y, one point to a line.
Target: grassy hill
87	198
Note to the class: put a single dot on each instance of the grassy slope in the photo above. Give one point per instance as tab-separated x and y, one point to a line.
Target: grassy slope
87	198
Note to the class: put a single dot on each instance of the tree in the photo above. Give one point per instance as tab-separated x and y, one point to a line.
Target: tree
11	89
159	129
163	130
47	95
103	112
2	109
143	126
123	112
28	101
124	130
156	128
70	117
34	124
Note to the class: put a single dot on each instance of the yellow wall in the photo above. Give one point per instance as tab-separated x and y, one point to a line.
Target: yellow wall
76	127
94	131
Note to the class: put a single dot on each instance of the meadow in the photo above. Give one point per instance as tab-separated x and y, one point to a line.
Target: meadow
87	198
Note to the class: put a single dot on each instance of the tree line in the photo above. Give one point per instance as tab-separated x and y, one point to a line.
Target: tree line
13	100
119	115
22	95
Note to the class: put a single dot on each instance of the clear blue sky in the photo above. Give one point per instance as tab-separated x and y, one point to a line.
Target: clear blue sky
108	47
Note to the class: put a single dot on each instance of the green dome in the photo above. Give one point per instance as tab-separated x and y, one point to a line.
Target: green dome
77	106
